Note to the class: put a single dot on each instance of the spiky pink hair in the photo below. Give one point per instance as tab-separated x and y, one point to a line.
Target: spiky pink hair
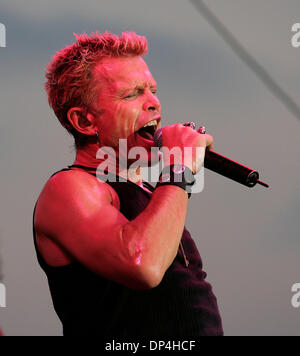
70	73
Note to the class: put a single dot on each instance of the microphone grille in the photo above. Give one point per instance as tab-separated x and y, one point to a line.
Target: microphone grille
157	138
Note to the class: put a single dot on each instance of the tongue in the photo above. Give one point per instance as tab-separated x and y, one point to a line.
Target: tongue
145	134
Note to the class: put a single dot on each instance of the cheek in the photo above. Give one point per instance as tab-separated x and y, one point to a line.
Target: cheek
125	117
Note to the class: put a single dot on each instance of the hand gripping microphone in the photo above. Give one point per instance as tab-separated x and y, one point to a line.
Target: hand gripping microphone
224	166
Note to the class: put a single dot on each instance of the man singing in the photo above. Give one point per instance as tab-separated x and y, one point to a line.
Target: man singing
116	253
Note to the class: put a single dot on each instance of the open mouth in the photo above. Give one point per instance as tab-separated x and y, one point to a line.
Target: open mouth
148	130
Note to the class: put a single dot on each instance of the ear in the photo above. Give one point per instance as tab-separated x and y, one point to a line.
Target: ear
82	121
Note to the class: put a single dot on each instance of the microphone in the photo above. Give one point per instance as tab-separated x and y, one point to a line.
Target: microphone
224	166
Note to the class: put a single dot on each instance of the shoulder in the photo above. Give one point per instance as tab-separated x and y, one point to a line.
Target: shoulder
73	186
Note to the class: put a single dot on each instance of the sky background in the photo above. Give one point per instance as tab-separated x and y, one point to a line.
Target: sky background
248	238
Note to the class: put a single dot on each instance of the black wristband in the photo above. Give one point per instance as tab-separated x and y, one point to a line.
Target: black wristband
178	175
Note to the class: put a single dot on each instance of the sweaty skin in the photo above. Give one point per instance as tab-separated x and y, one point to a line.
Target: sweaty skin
77	216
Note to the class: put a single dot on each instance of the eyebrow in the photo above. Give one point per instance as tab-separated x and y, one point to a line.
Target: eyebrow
137	86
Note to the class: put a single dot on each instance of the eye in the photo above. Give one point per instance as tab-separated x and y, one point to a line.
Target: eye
131	95
134	93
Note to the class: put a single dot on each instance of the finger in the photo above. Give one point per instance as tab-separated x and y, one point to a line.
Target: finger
209	142
198	159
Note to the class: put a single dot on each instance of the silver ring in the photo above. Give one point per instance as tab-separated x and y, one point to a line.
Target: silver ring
191	124
202	130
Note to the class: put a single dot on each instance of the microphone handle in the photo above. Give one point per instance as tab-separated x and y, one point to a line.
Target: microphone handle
230	169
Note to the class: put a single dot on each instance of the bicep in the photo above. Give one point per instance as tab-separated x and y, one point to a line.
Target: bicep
80	217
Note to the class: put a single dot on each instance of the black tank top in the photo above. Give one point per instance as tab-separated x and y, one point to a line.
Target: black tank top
182	305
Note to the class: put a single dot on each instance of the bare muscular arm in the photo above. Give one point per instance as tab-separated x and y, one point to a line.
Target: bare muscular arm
76	212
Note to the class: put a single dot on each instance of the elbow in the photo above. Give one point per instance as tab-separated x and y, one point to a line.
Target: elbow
145	274
150	277
154	281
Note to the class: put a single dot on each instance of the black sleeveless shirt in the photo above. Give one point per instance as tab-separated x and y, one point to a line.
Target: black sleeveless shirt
182	305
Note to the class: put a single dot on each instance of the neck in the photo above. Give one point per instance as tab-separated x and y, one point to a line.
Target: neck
87	156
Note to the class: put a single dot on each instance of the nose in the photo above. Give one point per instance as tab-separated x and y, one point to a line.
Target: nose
151	103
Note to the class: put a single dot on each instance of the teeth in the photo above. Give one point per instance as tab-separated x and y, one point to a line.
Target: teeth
151	123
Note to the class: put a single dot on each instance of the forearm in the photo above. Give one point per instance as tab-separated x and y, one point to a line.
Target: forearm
154	236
